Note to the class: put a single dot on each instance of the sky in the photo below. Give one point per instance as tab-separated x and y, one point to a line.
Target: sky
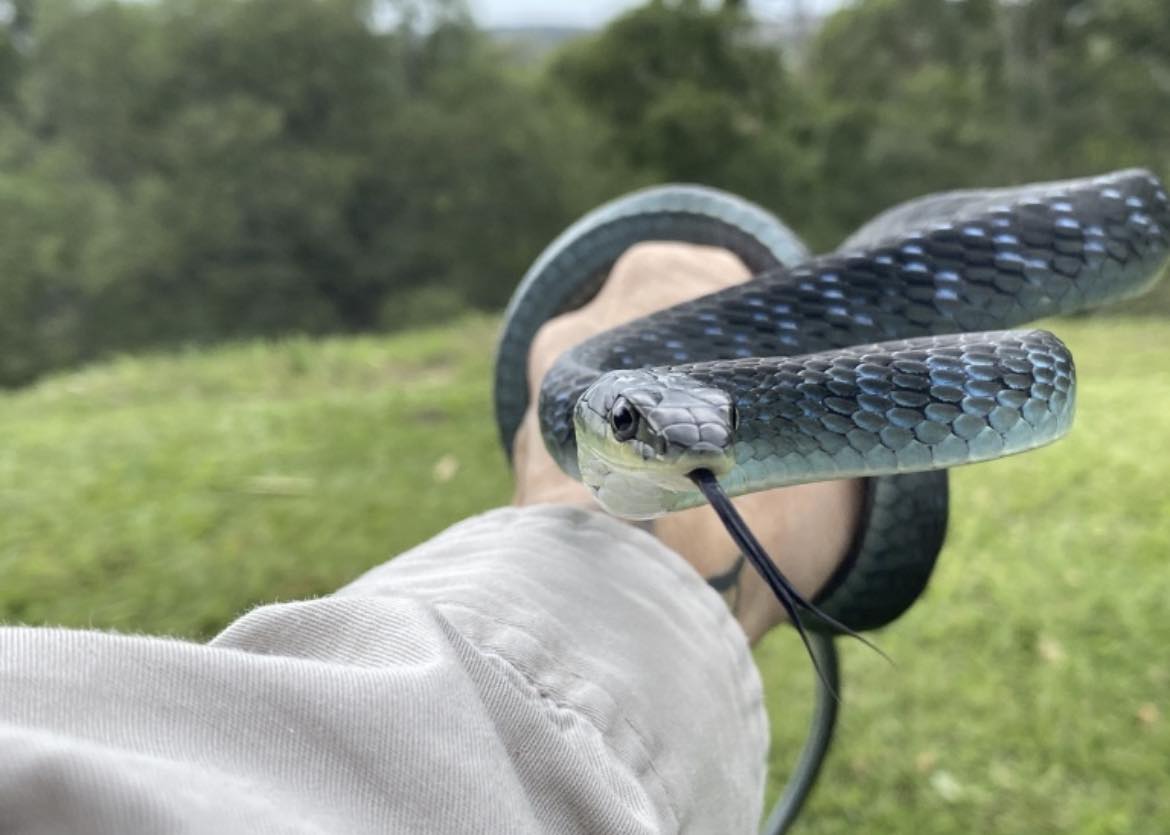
594	13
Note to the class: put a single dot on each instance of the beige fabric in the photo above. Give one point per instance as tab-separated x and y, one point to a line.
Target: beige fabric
530	670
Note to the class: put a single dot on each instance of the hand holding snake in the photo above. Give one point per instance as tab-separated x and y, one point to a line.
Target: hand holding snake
883	360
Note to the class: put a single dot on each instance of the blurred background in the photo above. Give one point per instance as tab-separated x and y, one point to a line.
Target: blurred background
252	254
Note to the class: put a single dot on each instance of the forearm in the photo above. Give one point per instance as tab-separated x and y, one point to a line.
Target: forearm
524	671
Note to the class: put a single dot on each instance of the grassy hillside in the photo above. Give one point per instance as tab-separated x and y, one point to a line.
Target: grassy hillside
169	494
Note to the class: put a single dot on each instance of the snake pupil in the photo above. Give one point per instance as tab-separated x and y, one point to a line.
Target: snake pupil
623	420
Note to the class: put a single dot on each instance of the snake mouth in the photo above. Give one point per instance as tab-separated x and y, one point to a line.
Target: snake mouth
627	485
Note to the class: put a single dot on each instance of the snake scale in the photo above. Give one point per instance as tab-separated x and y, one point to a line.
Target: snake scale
952	265
885	359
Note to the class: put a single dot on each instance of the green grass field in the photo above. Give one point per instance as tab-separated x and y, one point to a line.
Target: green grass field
1030	693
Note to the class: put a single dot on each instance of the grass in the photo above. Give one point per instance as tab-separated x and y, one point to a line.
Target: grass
1030	688
168	494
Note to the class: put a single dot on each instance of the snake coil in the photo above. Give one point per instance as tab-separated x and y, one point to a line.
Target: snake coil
872	362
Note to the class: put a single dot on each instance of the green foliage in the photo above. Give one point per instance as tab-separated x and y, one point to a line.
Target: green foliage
186	171
687	92
891	100
169	494
51	214
243	167
902	87
925	95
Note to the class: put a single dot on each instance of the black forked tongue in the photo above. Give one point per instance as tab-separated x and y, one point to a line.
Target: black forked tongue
785	592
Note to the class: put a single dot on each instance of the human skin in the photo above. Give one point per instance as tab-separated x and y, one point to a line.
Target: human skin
806	529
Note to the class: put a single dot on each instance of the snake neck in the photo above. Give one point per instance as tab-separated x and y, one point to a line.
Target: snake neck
560	390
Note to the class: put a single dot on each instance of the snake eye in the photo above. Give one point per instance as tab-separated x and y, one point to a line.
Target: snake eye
623	419
734	418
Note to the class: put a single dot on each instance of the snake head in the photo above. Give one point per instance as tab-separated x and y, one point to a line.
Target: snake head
640	432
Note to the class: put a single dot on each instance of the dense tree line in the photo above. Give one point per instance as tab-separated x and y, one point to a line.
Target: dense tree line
892	99
191	170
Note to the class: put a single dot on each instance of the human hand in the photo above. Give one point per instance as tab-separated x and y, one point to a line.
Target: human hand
807	529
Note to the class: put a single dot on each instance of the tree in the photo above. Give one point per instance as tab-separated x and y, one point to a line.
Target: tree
253	167
924	95
682	91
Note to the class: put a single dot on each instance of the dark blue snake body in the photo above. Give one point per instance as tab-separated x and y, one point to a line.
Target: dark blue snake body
948	264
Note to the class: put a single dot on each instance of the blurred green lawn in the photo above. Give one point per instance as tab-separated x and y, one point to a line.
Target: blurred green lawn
169	494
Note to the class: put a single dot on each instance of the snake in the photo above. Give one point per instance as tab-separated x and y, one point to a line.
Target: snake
892	358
